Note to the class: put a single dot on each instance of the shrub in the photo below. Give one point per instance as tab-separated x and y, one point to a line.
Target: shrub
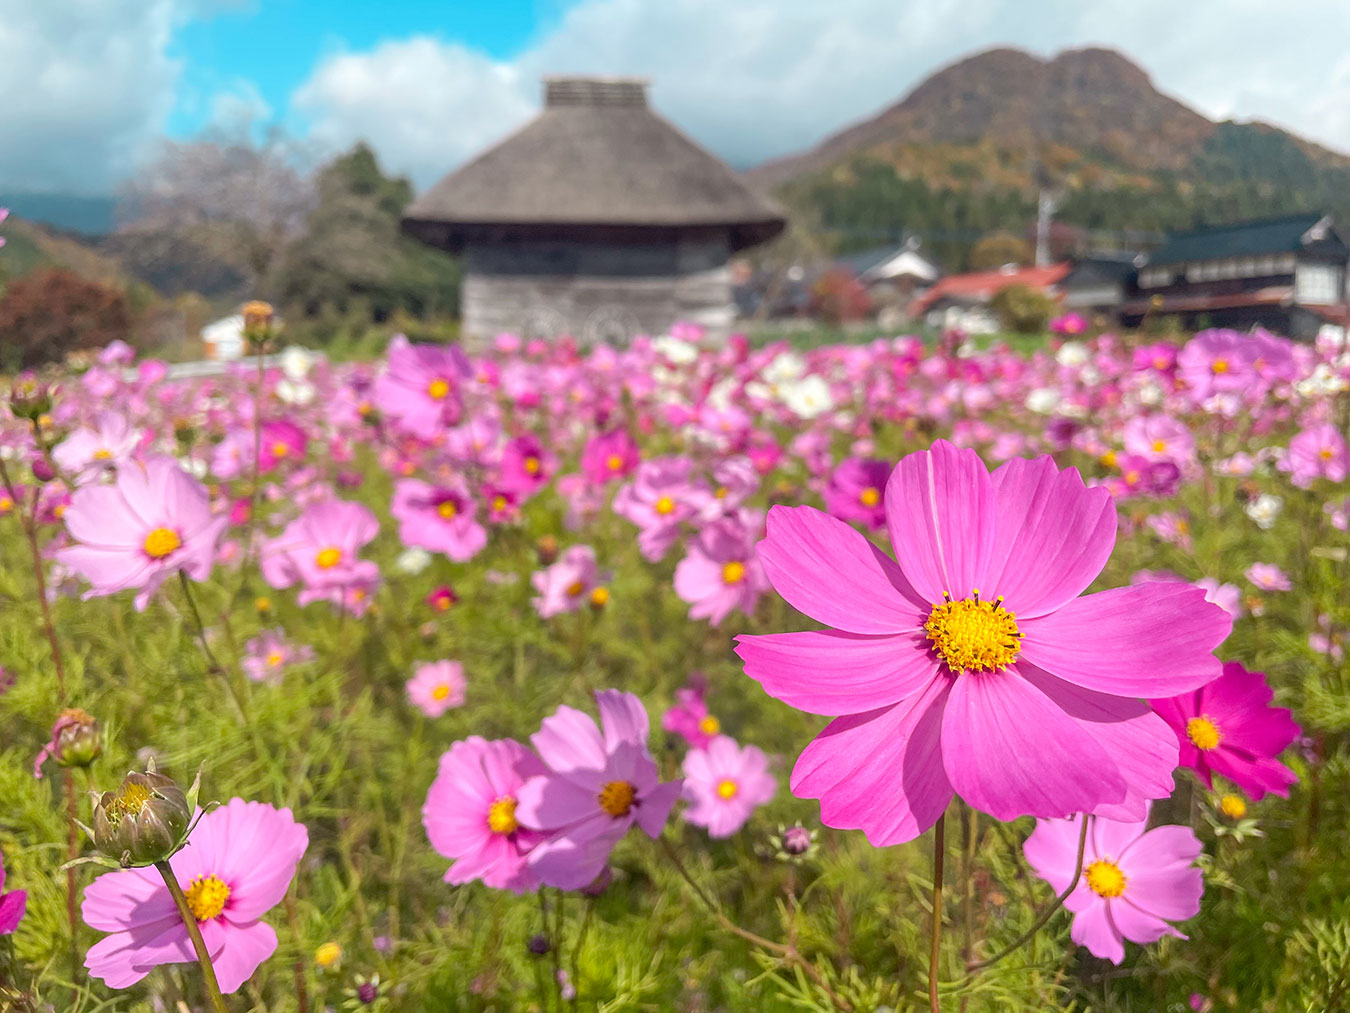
51	313
1024	309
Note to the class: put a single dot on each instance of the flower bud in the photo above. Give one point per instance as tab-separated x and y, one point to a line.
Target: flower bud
144	821
30	398
259	320
77	740
547	548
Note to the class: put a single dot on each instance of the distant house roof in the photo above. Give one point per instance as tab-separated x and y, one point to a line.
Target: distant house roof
1244	239
885	262
596	156
982	286
1101	269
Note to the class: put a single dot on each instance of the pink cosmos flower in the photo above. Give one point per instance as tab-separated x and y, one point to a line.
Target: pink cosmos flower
436	687
279	441
566	585
1228	727
1134	881
86	454
267	655
736	480
969	664
609	456
1317	452
440	518
1216	362
153	522
420	387
855	489
321	549
12	905
525	466
658	499
721	571
597	786
1159	438
724	783
238	864
470	813
1268	577
689	717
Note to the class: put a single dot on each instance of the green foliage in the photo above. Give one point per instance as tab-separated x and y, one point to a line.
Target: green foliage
1023	309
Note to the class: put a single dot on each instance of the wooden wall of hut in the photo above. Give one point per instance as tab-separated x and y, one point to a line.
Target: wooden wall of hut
596	291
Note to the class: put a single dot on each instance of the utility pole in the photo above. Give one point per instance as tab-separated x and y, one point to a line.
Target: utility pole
1046	205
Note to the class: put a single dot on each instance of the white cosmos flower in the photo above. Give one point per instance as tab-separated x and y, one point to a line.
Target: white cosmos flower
1264	509
808	397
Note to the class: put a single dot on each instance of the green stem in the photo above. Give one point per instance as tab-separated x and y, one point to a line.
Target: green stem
195	934
935	937
216	667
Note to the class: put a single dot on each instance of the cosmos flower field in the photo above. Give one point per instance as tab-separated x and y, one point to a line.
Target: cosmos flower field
689	676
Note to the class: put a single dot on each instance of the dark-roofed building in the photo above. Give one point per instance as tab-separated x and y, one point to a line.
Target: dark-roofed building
1099	283
1286	274
597	219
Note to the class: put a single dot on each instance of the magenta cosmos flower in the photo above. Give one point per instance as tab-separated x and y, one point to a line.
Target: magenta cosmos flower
1134	880
320	549
470	813
598	784
855	489
237	866
153	522
525	466
970	664
419	389
565	586
1317	452
689	717
12	905
721	571
439	518
608	456
1216	362
724	783
1228	727
659	498
436	687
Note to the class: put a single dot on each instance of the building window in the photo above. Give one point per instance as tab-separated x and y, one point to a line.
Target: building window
1317	283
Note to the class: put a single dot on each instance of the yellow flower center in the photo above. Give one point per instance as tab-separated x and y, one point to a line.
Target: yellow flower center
1326	453
1159	446
160	542
616	798
327	954
275	658
1203	733
1233	807
972	635
1131	477
440	692
447	509
726	789
438	389
869	497
575	589
615	462
532	465
328	558
262	604
710	725
1219	366
102	454
733	572
1109	459
130	801
6	504
280	449
206	897
722	492
59	510
1104	878
600	597
502	816
665	505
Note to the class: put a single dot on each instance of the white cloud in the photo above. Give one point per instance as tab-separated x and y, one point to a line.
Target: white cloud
761	78
87	86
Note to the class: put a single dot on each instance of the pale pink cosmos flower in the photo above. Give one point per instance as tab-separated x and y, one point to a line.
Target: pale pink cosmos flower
1133	883
154	521
567	584
735	481
1269	577
420	387
659	498
598	784
321	549
1316	452
441	518
238	864
970	664
1216	362
270	653
436	687
1159	438
724	783
721	571
470	813
89	453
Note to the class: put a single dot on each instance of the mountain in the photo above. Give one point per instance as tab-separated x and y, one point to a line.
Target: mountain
965	153
88	215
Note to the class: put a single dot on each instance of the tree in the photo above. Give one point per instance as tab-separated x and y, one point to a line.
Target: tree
50	313
997	249
1023	309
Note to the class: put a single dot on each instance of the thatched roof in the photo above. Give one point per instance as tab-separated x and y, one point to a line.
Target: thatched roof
596	157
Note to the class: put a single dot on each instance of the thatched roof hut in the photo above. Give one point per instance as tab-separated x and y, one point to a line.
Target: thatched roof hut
598	219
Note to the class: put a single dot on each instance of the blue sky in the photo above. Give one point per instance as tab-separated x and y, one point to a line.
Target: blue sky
94	87
275	44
